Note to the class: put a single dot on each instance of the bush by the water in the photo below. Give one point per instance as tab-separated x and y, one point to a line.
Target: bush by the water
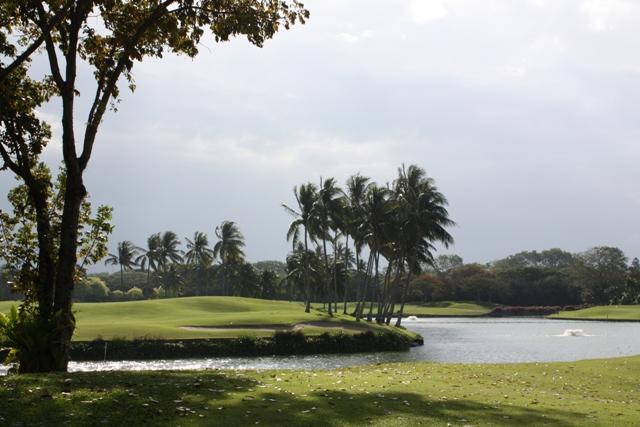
525	311
282	343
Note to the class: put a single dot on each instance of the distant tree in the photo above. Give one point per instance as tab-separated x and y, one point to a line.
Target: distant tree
169	250
306	197
601	272
444	263
149	257
200	256
125	258
268	283
228	249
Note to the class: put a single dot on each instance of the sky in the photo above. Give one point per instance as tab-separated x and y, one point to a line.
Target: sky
525	113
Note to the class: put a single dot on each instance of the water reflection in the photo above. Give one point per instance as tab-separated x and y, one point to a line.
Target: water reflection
446	340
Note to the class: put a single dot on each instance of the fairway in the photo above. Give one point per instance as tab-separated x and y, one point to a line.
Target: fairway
587	393
432	309
179	318
606	312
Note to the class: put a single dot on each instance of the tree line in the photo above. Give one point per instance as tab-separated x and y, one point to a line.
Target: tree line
601	275
166	270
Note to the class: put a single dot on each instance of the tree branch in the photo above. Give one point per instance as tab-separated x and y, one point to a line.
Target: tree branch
46	29
101	101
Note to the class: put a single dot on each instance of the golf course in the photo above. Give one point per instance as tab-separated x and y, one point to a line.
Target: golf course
205	317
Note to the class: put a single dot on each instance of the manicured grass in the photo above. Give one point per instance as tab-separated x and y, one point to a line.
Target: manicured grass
432	309
586	393
606	312
165	318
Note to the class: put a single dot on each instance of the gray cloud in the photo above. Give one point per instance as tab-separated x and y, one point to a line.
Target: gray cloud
524	112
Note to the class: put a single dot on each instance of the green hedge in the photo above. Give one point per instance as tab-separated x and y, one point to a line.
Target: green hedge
282	343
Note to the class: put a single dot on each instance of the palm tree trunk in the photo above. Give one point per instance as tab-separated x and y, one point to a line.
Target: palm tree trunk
121	277
376	285
335	274
346	269
382	301
403	293
357	281
361	301
307	289
327	282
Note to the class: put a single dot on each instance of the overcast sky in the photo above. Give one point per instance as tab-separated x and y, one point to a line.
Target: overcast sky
525	113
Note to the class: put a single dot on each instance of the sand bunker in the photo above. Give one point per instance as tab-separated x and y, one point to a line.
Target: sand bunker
281	327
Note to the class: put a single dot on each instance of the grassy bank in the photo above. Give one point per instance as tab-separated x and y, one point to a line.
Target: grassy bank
204	317
587	393
432	309
607	312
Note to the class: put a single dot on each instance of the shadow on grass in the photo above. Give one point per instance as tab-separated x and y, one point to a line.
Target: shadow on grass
223	398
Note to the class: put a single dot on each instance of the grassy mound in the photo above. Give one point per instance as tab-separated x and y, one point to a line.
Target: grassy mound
606	312
226	316
586	393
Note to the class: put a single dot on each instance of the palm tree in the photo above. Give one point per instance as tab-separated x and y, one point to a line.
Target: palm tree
199	255
328	209
306	197
357	186
149	257
228	248
169	251
378	209
423	217
124	258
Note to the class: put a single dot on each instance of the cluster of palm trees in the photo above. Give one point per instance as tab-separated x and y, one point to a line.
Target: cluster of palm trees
163	257
396	226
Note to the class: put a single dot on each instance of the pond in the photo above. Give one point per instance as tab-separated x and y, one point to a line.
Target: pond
451	340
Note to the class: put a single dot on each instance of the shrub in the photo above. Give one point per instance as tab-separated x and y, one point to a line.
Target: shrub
117	295
134	293
91	289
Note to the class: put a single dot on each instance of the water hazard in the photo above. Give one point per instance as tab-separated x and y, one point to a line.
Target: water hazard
457	340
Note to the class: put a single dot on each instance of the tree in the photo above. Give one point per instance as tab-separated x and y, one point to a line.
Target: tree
229	249
169	250
306	197
125	258
150	257
444	263
328	209
91	289
423	219
107	38
602	272
199	255
356	190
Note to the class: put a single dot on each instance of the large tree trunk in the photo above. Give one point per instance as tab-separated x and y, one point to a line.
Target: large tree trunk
63	321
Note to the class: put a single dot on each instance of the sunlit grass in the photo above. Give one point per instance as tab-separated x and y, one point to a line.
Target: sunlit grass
164	318
605	312
586	393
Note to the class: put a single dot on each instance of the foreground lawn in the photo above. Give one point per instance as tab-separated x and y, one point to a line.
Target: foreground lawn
607	312
233	316
433	309
586	393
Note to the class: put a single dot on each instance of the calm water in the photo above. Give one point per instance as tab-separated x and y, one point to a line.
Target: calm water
446	340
